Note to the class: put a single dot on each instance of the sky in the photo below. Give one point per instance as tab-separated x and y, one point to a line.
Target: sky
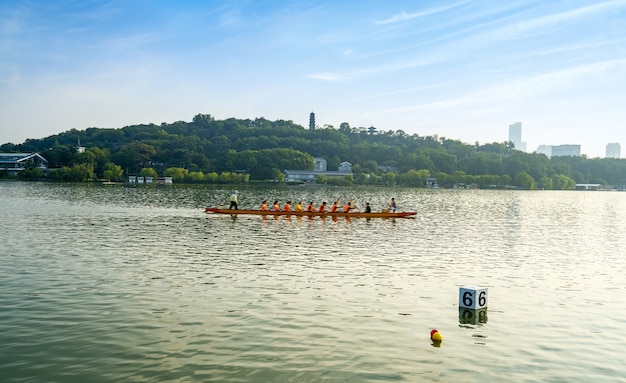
457	69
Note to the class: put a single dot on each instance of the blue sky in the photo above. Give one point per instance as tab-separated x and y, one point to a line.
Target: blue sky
458	69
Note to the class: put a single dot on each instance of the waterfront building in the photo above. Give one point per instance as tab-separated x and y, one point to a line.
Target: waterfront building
18	162
295	175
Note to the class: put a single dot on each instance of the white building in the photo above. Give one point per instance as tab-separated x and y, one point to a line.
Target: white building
291	175
613	150
566	150
545	149
320	164
515	136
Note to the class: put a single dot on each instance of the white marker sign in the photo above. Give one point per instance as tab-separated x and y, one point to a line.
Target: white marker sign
473	297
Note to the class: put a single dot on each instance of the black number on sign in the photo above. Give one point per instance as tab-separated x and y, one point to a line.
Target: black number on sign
482	299
467	298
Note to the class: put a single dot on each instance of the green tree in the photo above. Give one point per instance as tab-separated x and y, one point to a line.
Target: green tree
95	157
389	178
195	177
149	172
60	155
524	180
76	173
545	183
134	155
505	180
32	173
177	174
112	172
411	178
211	177
563	182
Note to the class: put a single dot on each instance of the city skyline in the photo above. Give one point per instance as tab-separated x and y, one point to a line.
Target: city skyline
456	69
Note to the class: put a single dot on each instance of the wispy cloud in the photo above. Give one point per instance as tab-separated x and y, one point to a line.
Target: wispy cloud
374	70
518	88
326	76
405	16
556	19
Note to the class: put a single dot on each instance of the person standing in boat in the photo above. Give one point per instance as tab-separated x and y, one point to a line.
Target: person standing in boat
393	206
233	200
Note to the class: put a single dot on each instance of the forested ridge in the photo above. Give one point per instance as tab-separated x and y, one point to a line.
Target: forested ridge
243	150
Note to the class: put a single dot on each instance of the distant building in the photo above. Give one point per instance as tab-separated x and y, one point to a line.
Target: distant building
613	150
545	149
312	121
80	148
345	169
320	164
566	150
515	136
588	187
18	162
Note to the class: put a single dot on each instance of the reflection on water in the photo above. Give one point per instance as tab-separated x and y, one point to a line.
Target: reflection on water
139	284
472	316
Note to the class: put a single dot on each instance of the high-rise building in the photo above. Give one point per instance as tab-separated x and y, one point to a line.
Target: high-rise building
545	149
613	150
566	150
312	121
515	136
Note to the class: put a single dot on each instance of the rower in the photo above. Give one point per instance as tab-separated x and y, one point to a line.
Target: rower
322	208
287	206
347	208
299	207
310	207
276	206
368	209
264	205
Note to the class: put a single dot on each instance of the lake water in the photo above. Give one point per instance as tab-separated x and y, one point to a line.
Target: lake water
117	284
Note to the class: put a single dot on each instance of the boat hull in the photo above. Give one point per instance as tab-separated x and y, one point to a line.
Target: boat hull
355	214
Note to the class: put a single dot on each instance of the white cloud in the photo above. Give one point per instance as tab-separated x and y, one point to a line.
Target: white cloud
326	76
405	16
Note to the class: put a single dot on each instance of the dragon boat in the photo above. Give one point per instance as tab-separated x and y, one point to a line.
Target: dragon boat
355	214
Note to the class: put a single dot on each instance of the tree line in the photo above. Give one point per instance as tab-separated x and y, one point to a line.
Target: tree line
244	150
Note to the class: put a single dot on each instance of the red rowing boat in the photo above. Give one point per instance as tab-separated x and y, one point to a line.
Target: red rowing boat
359	214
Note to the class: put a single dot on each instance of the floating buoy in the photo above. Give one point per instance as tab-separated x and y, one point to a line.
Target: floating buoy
436	336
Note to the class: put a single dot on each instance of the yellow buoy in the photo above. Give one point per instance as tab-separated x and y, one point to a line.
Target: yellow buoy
436	336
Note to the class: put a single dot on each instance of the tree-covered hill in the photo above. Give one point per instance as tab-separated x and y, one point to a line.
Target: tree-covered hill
261	149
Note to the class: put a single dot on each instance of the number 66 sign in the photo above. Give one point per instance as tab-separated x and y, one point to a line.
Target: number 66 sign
473	297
